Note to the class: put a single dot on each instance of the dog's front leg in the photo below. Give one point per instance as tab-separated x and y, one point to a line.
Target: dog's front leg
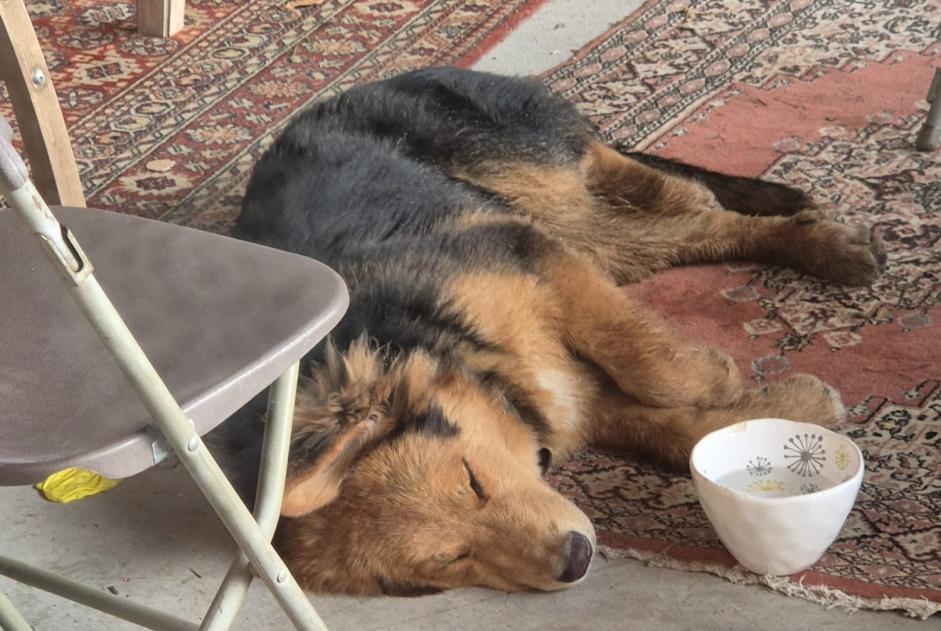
637	351
669	434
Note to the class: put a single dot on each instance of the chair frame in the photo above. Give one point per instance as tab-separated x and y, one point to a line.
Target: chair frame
160	18
253	537
929	137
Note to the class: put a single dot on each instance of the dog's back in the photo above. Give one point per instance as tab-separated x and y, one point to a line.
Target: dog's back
373	164
363	182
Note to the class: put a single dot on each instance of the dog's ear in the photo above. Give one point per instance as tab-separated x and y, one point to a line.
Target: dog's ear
341	414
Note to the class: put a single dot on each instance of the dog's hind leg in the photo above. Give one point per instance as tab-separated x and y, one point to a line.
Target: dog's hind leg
633	220
669	434
749	196
666	220
639	353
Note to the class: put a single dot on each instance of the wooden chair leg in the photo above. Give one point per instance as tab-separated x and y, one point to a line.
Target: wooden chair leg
161	18
36	106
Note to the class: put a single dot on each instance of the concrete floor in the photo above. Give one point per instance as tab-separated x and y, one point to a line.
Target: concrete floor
550	36
154	539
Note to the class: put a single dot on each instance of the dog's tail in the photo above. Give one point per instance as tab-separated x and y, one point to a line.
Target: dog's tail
749	196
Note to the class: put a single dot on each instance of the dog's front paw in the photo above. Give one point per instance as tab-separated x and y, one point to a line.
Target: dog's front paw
843	253
701	377
717	382
803	398
691	376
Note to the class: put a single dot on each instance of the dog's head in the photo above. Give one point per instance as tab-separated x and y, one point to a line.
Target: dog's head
415	478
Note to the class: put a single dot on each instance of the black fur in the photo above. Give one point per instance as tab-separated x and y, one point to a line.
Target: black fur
517	399
744	195
431	423
358	179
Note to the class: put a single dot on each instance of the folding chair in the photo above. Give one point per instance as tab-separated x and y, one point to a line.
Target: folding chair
221	319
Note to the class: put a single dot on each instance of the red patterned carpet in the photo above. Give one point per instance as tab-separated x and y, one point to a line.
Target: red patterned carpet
827	95
169	128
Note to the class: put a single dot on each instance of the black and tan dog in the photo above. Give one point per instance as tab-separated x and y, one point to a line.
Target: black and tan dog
483	231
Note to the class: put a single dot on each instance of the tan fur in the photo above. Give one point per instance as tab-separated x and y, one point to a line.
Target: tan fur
430	516
668	434
523	316
404	516
633	347
632	220
356	412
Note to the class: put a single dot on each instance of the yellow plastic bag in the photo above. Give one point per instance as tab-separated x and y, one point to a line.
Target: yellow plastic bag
73	484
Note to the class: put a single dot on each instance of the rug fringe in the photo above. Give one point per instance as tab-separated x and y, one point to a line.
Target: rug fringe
831	598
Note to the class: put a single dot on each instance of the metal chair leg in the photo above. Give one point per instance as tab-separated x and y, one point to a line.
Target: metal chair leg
930	135
274	462
93	597
231	593
10	618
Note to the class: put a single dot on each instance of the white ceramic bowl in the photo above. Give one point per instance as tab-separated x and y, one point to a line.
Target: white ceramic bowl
777	492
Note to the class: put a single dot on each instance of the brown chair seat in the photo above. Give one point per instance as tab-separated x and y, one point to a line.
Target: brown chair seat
219	318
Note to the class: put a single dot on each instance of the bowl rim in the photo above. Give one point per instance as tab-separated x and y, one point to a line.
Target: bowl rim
854	480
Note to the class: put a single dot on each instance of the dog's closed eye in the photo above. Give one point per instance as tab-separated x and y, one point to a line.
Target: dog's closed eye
447	558
474	482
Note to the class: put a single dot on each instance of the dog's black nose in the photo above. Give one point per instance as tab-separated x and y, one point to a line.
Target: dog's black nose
580	552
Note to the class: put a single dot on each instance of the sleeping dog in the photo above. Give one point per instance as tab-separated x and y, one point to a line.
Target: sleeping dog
483	230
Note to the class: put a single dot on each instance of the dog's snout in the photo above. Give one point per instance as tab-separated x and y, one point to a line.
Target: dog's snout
580	553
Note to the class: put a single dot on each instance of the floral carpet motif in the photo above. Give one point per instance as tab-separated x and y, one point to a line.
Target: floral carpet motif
169	128
826	95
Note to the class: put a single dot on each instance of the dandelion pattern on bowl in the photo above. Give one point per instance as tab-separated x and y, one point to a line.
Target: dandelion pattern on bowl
809	487
759	466
765	486
841	458
804	454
